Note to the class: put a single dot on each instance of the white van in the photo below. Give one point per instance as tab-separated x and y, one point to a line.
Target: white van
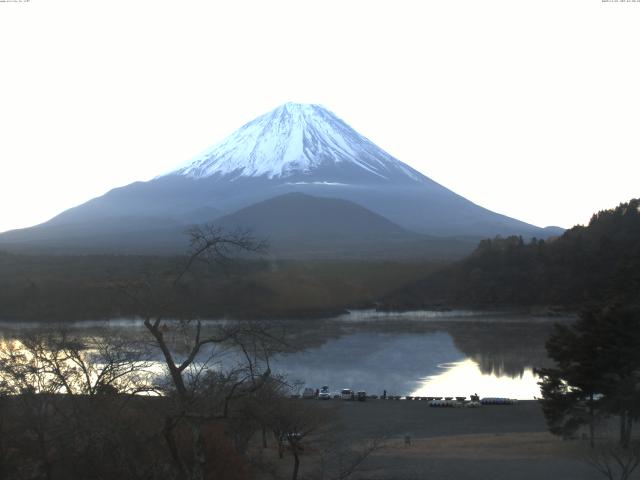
346	394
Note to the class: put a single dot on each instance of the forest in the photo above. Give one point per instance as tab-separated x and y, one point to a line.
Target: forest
89	287
586	265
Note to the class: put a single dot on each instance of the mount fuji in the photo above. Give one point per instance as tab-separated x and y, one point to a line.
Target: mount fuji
296	148
304	142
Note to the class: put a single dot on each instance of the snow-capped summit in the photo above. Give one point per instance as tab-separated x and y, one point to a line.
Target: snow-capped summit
292	150
296	139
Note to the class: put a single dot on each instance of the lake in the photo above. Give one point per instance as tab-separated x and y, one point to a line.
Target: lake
456	353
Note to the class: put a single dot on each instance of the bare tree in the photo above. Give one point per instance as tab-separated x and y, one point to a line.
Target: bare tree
342	457
57	362
203	392
352	459
67	396
614	462
70	387
292	421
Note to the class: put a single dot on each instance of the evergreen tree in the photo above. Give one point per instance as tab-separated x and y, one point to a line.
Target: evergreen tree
597	372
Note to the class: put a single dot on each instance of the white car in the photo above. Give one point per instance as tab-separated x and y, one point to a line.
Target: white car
346	394
324	394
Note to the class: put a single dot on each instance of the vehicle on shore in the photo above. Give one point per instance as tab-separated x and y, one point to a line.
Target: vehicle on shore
347	394
324	394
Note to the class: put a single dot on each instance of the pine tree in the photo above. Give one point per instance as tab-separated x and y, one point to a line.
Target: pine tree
597	372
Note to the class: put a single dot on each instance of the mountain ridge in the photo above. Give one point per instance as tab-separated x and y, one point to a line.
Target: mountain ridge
297	214
293	148
295	225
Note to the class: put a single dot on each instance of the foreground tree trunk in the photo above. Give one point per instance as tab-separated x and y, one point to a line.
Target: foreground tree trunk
296	459
592	419
199	454
626	425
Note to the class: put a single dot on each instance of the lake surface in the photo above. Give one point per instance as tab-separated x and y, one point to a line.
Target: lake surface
418	364
423	353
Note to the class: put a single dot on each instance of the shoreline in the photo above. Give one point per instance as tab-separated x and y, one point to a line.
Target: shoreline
347	316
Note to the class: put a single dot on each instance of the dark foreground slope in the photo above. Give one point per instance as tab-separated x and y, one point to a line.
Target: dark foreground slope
586	264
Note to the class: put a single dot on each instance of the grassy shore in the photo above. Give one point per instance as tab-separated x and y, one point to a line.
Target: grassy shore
509	442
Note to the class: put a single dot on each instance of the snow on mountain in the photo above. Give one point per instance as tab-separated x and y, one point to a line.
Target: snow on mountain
292	139
294	149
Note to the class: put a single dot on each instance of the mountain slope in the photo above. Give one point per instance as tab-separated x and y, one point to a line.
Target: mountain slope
295	225
301	226
294	148
296	215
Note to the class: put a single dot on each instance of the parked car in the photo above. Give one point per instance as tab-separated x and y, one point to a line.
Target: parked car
324	394
309	393
346	394
361	396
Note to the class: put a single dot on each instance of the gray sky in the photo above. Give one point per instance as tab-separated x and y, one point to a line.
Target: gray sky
529	108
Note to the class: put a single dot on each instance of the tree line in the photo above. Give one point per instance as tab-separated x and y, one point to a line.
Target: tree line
51	288
589	264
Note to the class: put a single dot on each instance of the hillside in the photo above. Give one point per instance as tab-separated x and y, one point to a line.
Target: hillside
587	264
295	226
296	215
90	287
300	226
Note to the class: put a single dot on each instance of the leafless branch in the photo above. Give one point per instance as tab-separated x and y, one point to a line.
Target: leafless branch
614	462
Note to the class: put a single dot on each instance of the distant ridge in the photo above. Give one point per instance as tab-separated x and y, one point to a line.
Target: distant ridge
297	225
297	215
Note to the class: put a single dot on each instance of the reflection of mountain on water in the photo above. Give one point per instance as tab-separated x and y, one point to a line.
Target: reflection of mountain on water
504	345
371	361
393	354
502	349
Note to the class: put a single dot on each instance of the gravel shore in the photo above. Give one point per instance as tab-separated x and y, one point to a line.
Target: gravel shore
498	442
